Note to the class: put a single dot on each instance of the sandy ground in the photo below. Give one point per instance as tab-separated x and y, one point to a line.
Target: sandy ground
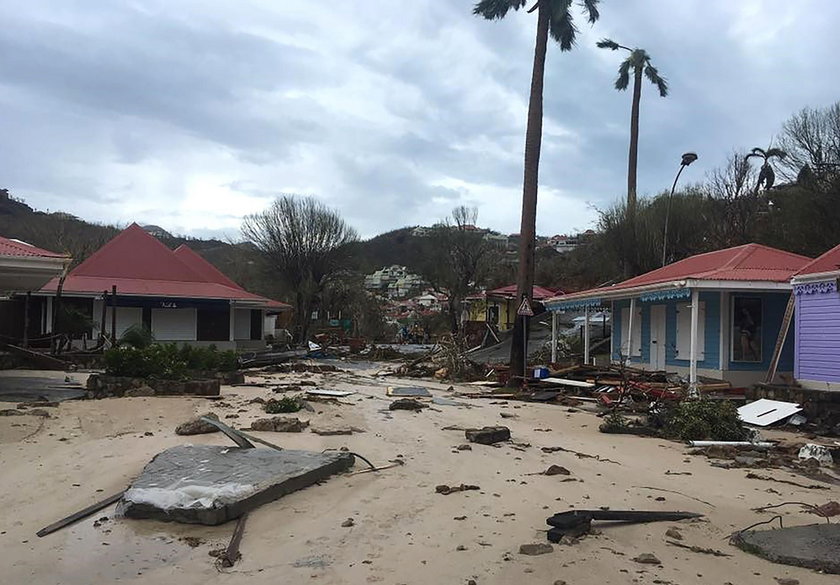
404	532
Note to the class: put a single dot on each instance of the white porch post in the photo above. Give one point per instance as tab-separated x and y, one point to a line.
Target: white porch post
586	335
49	311
630	329
231	336
553	337
695	317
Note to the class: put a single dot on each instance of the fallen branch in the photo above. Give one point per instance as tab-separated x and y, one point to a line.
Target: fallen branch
644	487
812	486
699	549
814	509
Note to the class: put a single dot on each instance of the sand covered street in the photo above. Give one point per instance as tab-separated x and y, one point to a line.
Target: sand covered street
402	532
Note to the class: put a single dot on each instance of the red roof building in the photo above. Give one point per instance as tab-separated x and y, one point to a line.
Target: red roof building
23	267
716	314
177	294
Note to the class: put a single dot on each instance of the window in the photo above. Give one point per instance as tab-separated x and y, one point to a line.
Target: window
746	329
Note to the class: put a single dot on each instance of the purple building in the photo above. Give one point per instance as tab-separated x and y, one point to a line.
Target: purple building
817	349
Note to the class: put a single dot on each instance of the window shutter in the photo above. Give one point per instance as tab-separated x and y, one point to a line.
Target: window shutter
683	345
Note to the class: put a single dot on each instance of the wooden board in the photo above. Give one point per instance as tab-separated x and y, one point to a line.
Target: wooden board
566	382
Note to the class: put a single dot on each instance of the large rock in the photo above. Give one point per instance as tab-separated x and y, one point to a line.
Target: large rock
211	484
197	426
406	404
279	424
813	546
488	435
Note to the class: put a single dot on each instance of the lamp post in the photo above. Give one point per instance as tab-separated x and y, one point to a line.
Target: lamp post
687	159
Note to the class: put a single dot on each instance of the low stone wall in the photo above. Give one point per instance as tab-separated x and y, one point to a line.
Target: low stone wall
104	386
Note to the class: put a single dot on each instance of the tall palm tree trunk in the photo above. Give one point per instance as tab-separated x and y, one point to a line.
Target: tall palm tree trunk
527	230
632	263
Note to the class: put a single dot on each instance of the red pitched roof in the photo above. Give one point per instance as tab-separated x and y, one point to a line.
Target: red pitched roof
17	248
828	262
137	263
747	263
539	293
210	273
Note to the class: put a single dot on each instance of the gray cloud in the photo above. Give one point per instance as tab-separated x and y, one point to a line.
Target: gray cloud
192	115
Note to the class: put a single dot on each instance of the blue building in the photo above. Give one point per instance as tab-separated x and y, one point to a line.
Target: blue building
716	314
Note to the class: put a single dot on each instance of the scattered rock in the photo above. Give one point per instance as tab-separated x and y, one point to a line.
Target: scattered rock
348	523
559	582
459	518
507	415
279	424
647	559
197	426
192	541
674	533
32	412
535	548
557	470
257	400
138	392
786	581
329	431
406	404
460	547
464	447
488	435
446	490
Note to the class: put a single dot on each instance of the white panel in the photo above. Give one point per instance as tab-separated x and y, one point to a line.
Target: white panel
684	332
242	324
657	337
174	324
126	317
637	332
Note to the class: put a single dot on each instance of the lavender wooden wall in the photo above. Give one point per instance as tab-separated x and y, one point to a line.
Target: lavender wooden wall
817	332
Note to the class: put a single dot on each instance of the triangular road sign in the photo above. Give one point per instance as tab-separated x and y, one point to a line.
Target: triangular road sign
525	309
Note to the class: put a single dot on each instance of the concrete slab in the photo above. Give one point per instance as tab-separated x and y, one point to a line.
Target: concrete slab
210	484
813	546
38	389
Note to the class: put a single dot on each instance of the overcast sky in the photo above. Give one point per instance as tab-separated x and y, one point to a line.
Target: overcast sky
189	114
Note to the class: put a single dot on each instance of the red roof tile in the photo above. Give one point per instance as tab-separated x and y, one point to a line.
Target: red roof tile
828	262
17	248
210	273
747	263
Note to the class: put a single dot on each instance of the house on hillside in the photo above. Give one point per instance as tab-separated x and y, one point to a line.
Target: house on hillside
177	294
817	330
24	268
716	314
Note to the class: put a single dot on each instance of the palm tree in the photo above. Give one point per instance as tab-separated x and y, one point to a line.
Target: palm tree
766	175
639	62
554	17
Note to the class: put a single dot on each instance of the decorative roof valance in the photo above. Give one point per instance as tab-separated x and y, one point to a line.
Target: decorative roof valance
665	295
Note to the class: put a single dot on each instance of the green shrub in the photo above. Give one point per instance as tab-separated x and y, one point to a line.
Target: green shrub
167	361
137	336
285	404
715	420
614	422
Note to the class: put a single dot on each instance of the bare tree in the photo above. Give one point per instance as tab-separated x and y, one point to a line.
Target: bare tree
304	243
460	258
811	139
734	203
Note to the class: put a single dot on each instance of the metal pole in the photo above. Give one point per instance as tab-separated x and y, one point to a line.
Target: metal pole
525	346
554	337
667	215
586	335
114	314
695	315
26	319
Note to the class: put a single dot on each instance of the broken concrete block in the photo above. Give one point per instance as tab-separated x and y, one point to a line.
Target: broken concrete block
813	546
557	470
536	548
406	404
647	559
488	435
138	392
197	426
210	484
279	424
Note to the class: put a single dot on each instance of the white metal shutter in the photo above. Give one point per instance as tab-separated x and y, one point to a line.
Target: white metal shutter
174	324
242	324
126	317
684	332
636	344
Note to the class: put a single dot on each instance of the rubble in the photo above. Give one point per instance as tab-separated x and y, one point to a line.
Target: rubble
446	490
279	424
536	548
488	435
647	559
196	426
813	546
406	404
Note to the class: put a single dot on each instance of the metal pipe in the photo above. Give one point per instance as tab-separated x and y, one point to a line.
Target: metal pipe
687	159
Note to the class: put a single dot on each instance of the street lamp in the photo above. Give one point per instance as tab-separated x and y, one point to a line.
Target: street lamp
687	159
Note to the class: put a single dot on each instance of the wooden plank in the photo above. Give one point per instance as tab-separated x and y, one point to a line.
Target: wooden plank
232	554
567	382
83	513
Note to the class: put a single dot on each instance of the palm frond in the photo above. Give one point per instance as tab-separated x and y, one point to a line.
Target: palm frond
496	9
591	8
758	152
653	76
752	154
623	79
775	152
608	44
561	24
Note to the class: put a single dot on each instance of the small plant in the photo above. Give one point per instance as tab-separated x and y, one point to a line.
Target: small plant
614	422
166	361
697	420
138	337
285	404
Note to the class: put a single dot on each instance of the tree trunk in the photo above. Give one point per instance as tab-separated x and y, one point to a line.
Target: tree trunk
527	230
632	266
